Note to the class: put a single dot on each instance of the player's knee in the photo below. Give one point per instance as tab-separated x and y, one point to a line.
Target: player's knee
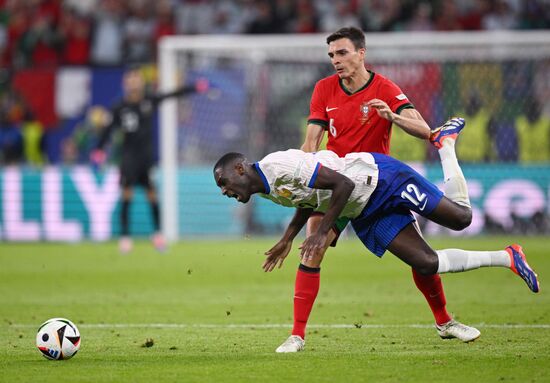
428	264
463	219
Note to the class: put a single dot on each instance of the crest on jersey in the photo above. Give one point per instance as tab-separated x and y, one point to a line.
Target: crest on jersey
285	193
364	109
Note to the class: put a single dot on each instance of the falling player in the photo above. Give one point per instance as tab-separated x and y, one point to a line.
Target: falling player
377	193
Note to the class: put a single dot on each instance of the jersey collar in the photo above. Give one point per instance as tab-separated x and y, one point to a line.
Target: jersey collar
263	177
346	91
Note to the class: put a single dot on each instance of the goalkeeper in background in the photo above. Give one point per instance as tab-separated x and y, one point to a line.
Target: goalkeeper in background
133	115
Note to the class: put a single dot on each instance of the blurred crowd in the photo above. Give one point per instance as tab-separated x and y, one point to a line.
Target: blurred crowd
49	33
111	32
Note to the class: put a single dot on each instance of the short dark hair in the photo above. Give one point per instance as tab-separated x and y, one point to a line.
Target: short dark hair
229	158
356	36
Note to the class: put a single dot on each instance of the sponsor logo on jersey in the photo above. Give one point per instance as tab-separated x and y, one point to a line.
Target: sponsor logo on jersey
401	97
330	109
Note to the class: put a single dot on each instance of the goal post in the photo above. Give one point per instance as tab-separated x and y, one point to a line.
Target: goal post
266	82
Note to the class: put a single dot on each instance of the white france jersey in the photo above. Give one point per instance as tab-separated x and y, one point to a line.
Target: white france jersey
289	177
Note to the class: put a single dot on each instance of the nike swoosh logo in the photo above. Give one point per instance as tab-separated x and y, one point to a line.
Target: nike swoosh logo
423	206
329	109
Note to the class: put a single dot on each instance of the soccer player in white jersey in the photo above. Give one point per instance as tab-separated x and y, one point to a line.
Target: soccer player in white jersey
378	193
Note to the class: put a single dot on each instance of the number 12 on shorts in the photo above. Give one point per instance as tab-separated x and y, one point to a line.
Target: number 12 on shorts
412	194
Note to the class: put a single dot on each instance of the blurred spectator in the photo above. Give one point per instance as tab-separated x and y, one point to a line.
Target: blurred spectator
500	16
3	32
138	33
421	18
33	144
475	144
75	34
533	130
504	136
164	23
472	14
263	19
379	15
49	9
340	15
107	38
84	8
11	141
16	25
285	12
535	14
306	20
194	16
446	17
229	17
40	44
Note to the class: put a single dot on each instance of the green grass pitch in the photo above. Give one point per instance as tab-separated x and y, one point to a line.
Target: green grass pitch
215	316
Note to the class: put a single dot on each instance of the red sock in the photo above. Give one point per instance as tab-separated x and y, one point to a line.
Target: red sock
305	292
432	288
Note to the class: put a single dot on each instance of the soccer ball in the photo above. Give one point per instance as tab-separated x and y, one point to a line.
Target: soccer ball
58	339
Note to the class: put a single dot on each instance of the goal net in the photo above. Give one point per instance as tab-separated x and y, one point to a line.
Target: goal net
260	102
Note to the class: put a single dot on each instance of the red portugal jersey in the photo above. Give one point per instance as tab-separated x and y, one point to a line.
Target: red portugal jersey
352	126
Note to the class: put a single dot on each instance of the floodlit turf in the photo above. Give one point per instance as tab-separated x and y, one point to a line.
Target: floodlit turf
220	317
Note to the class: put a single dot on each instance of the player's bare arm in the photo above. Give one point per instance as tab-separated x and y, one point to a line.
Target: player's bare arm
277	254
314	136
342	188
410	120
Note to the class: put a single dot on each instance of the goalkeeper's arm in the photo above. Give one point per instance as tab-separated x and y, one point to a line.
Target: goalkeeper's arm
200	86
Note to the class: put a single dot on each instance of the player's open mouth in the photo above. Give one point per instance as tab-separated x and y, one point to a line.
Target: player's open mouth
236	196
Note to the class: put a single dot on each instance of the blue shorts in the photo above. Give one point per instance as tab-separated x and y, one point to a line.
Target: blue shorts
399	191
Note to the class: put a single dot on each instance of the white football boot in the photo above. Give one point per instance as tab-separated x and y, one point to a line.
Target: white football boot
454	329
294	343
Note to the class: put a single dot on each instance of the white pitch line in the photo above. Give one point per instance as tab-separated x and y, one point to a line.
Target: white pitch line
277	325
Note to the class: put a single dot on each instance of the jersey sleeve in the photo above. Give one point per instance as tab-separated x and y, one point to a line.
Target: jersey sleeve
394	97
317	111
157	98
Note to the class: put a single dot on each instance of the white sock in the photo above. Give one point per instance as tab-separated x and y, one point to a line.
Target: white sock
455	183
456	260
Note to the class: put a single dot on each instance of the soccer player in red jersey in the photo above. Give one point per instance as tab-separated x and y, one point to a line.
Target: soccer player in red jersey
358	107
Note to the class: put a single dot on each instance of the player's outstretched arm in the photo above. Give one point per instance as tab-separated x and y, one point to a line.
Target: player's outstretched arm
341	187
200	86
277	254
410	120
